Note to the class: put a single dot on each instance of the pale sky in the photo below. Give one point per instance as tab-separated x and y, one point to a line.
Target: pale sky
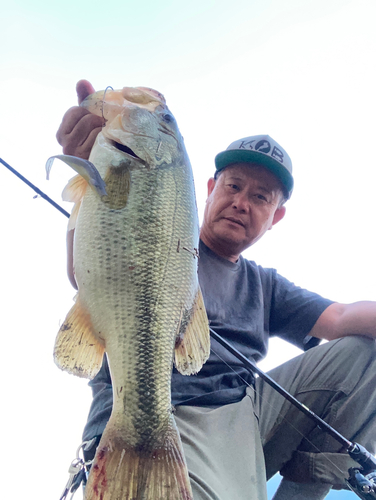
301	71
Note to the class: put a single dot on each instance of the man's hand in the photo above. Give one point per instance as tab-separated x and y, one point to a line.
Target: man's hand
79	128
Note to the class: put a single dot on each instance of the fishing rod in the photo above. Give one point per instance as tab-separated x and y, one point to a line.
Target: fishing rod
362	480
35	188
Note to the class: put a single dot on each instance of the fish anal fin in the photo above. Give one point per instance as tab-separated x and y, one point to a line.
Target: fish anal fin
77	349
148	472
192	347
118	183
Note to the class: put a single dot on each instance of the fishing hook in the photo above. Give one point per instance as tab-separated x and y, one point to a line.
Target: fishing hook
104	95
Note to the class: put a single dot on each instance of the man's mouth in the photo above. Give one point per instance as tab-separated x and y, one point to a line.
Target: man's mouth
236	221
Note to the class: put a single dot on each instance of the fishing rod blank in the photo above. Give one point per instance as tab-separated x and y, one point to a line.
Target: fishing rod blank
361	482
254	369
37	190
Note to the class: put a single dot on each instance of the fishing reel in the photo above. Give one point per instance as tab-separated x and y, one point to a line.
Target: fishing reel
362	480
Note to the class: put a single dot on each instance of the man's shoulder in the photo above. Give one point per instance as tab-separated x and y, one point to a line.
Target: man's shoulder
252	265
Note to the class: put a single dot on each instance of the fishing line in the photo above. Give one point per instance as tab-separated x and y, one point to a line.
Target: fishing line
278	413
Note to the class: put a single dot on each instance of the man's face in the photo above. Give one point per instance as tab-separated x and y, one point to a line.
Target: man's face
242	204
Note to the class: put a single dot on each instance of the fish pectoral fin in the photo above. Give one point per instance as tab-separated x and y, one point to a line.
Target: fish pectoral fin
74	191
74	216
151	472
85	168
78	350
192	347
118	183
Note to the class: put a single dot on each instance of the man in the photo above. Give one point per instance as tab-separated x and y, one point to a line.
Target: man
227	421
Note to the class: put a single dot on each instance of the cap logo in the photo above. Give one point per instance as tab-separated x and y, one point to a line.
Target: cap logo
277	154
244	144
262	146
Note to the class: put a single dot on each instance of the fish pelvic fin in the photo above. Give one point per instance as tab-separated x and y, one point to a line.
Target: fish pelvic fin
74	192
83	167
124	472
118	183
192	346
78	350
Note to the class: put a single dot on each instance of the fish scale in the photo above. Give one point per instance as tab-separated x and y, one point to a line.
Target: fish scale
135	263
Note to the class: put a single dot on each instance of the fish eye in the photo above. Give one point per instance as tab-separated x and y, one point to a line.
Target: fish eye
167	118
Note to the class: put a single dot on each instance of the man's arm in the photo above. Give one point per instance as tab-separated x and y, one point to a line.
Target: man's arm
77	134
340	320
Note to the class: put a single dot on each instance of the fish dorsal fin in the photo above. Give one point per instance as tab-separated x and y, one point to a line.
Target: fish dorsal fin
74	191
78	350
192	347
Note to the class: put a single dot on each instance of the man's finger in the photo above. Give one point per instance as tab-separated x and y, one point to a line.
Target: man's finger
83	89
78	131
84	150
70	120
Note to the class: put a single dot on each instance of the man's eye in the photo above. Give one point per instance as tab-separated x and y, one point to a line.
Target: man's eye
235	187
260	198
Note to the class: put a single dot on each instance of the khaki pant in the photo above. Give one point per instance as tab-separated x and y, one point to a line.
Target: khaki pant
225	447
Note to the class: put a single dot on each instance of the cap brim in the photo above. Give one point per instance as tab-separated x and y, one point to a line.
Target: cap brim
226	158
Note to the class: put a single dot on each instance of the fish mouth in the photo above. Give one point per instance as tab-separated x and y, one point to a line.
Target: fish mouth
126	149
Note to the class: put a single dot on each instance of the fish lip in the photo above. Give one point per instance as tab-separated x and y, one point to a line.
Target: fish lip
125	149
234	219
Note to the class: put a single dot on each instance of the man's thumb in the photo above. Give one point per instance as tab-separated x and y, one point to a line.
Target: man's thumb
83	89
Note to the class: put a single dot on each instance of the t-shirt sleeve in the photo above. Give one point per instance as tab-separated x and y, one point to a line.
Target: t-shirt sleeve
294	311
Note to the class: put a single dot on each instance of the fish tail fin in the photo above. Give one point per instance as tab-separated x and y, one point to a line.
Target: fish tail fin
122	471
77	349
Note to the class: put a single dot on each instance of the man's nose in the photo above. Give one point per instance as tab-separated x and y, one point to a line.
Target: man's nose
241	202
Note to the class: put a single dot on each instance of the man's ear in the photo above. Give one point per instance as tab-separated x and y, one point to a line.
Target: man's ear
211	185
278	215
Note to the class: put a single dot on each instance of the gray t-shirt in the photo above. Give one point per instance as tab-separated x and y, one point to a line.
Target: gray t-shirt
246	304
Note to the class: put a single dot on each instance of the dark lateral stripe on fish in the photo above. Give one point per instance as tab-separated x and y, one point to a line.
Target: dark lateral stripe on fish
146	352
147	424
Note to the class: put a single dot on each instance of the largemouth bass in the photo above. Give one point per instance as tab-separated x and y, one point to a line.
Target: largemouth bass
135	263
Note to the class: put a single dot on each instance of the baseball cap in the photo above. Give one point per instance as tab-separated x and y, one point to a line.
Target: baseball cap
263	150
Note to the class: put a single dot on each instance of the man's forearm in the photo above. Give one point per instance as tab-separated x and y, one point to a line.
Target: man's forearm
341	320
358	318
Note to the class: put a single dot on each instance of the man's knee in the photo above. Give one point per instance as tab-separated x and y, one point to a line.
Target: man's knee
355	349
358	342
